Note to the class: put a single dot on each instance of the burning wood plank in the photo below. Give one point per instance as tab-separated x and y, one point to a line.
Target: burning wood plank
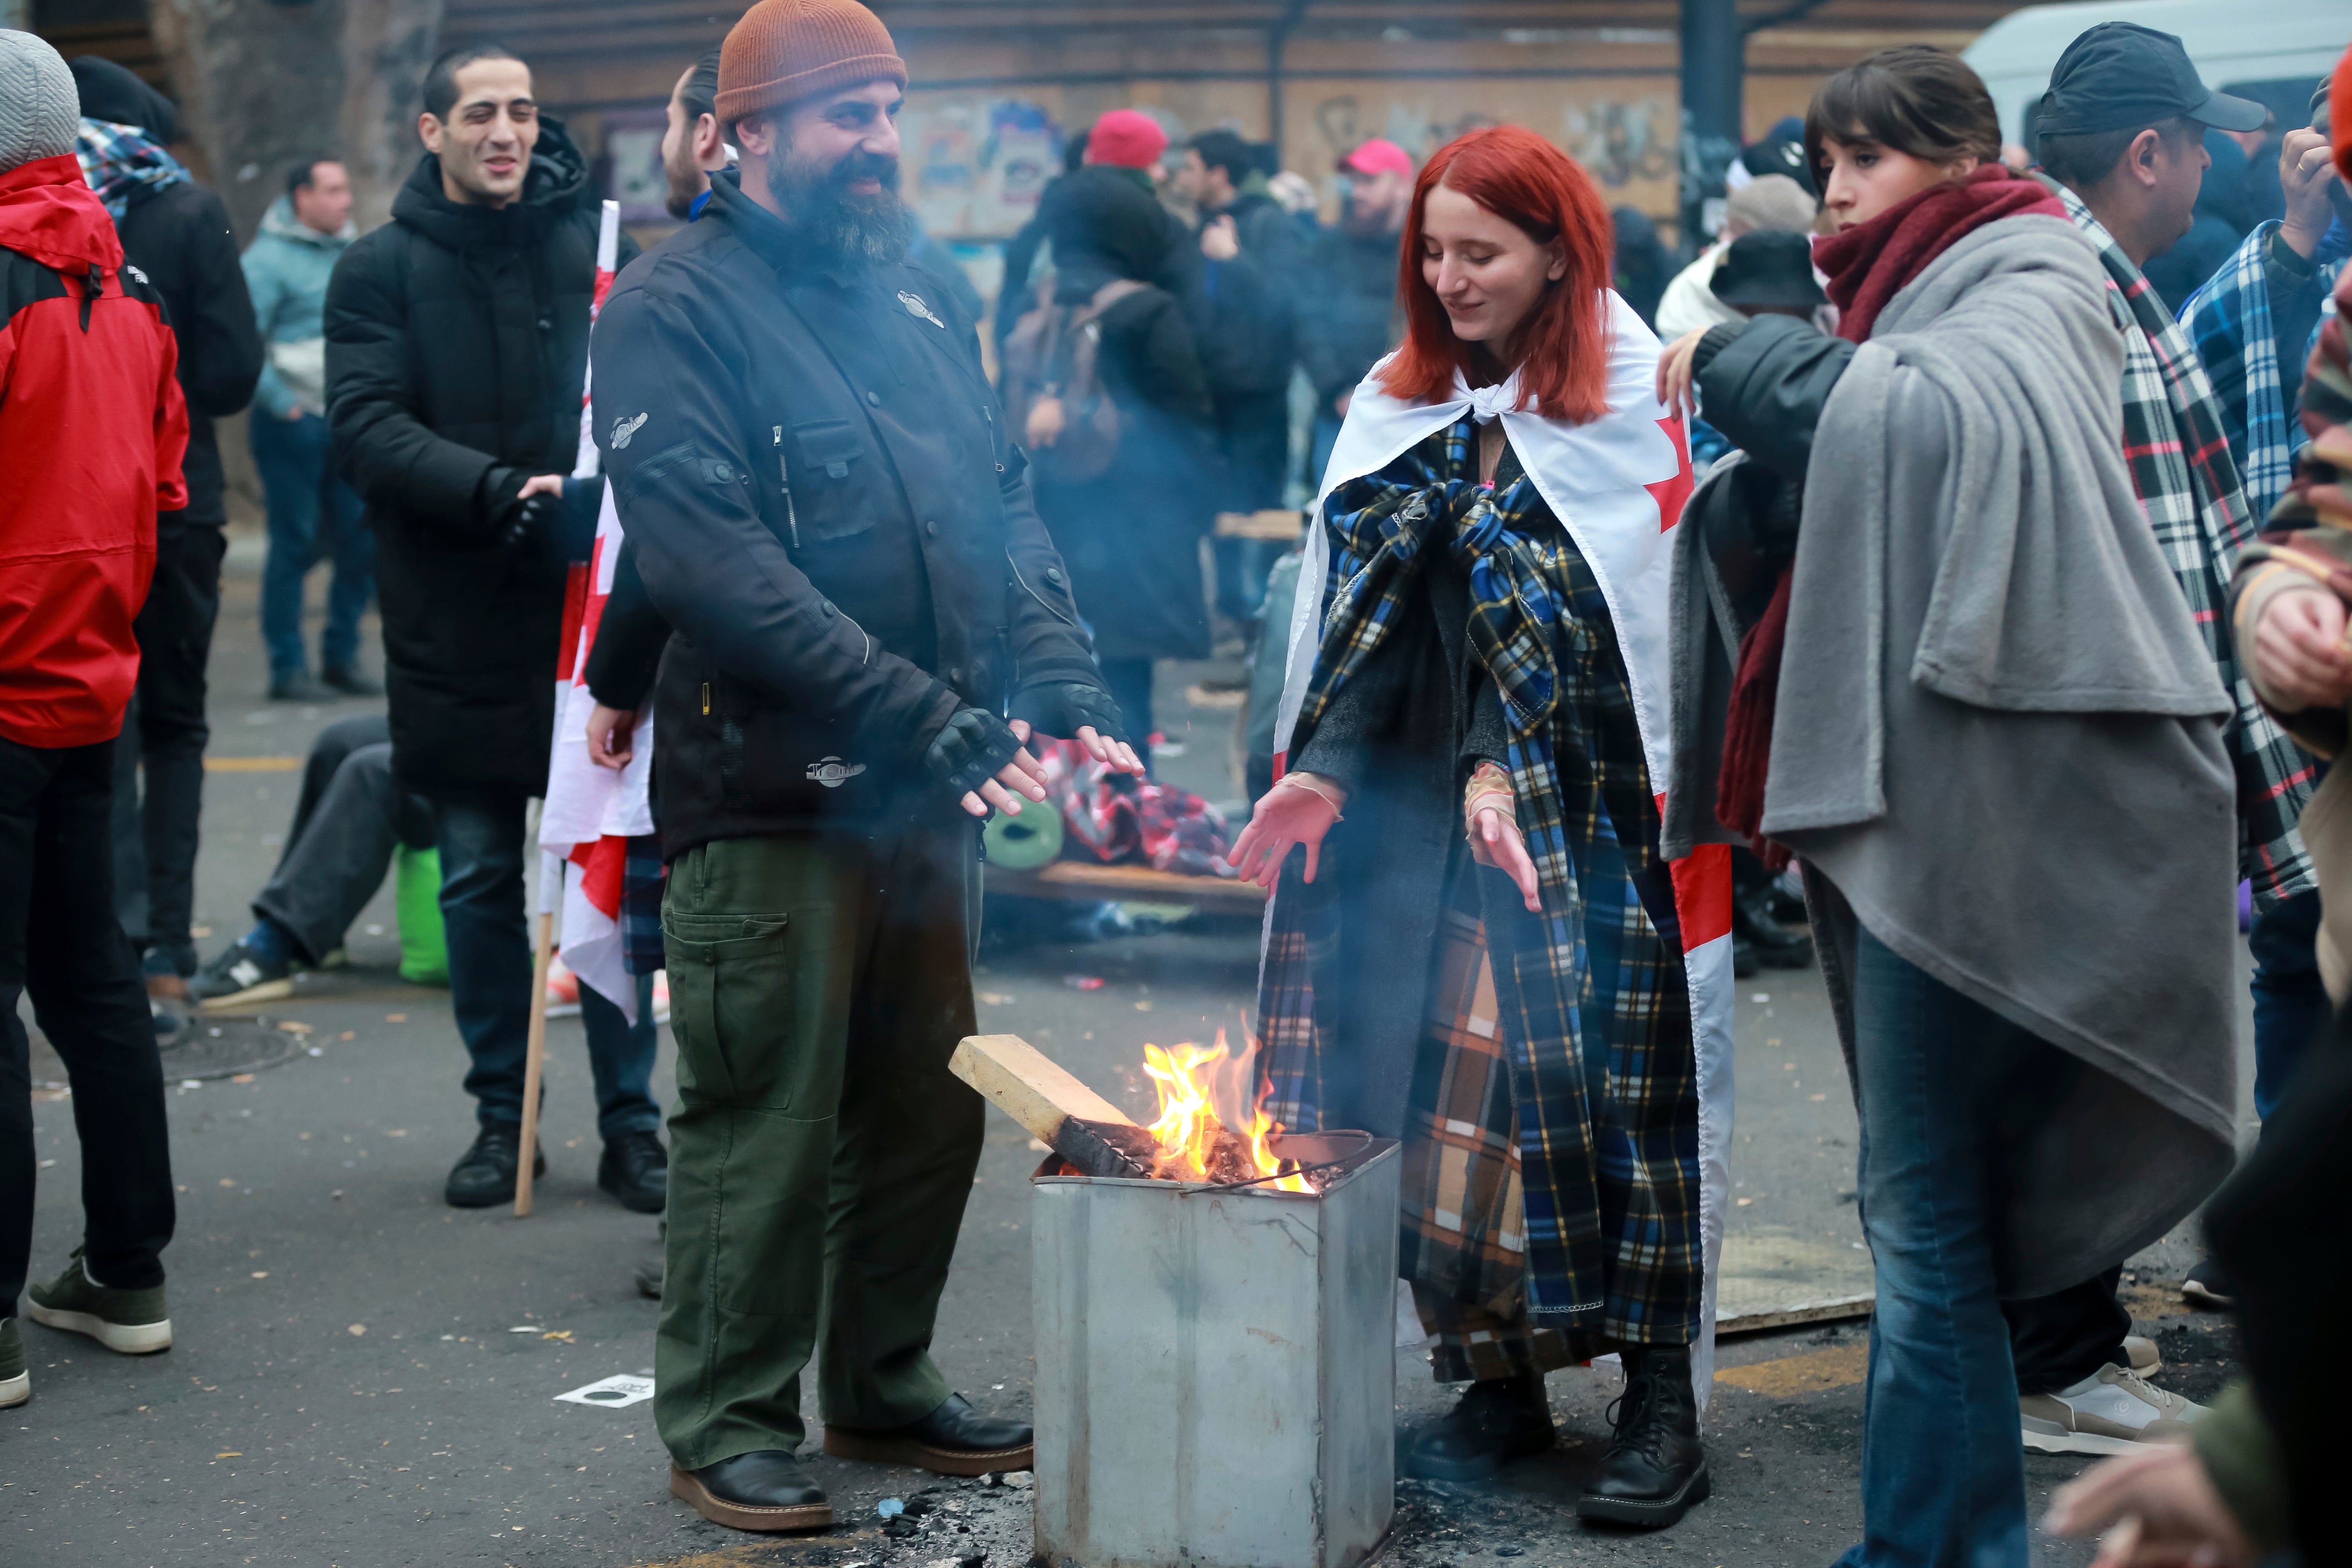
1086	1130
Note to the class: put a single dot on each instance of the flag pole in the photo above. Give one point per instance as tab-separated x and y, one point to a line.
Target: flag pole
534	1055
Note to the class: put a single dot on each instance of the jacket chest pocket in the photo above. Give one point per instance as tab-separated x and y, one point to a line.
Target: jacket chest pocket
832	478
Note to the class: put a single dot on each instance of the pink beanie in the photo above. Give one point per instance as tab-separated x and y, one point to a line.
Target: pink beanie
1128	137
1378	156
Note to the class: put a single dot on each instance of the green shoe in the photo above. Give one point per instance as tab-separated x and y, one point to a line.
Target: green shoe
132	1322
15	1383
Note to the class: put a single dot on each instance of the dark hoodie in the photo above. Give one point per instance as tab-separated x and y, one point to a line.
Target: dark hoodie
91	444
457	353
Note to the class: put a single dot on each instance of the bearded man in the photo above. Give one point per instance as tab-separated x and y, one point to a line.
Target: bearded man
825	508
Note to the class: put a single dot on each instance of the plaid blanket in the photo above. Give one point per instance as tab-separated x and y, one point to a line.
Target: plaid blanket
1593	1002
2229	325
2187	482
117	159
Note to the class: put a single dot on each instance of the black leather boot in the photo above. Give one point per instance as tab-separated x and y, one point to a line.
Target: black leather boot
1653	1469
764	1490
952	1440
1775	945
486	1176
1494	1423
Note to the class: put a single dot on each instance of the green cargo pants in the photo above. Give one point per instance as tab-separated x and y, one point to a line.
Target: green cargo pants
821	1153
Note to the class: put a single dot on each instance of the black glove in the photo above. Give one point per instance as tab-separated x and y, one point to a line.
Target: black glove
1060	709
972	748
526	520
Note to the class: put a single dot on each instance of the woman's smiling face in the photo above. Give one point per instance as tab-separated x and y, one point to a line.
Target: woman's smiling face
1486	271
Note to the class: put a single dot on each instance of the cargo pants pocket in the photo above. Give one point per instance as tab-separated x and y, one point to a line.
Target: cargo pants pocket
734	1005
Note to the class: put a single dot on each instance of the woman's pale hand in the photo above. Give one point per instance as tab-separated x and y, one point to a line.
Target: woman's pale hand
1495	841
1046	422
611	736
2156	1510
1286	815
1674	375
2299	649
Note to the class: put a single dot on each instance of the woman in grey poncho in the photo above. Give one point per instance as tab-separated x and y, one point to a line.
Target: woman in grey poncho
1969	699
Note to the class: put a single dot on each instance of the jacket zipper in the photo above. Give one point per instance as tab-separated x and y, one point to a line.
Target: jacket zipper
785	477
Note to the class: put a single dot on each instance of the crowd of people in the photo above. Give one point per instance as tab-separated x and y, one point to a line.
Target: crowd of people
2000	702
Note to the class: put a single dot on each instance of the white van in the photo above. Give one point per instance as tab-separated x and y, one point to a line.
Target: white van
2273	51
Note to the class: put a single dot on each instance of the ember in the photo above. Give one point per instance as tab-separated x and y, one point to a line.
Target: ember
1213	1124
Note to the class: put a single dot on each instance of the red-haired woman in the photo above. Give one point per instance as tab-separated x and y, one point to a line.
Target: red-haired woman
1484	961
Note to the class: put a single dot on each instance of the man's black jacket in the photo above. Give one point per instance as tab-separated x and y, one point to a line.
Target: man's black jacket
179	236
815	480
1348	315
457	348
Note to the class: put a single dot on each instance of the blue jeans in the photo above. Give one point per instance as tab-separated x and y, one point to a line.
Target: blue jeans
313	516
1944	1085
482	863
2290	1004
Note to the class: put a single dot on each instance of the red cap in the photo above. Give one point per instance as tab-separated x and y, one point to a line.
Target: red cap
1378	156
1128	137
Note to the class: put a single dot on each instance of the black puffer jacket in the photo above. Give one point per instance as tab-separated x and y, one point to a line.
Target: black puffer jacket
1347	313
457	347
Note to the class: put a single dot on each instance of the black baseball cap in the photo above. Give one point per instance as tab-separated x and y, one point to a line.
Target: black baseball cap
1766	268
2120	75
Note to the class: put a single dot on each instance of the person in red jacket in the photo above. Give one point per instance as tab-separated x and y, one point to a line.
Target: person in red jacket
92	430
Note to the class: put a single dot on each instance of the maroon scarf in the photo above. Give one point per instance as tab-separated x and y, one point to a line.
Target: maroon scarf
1868	265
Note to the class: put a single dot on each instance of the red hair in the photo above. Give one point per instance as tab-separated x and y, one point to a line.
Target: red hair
1515	174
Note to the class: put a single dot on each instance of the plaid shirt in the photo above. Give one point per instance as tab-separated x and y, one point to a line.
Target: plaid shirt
2188	484
116	160
1594	1001
2230	326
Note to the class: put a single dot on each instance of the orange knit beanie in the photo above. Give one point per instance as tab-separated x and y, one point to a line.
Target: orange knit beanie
787	49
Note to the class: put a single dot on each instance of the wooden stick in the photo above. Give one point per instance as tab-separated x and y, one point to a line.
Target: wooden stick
534	1053
1087	1131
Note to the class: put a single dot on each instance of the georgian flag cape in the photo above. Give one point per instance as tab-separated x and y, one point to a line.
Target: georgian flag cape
1618	486
591	813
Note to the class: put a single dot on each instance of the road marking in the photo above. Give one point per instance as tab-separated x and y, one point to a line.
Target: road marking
252	764
1835	1368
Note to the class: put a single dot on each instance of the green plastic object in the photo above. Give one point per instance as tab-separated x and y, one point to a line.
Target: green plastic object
1025	842
416	899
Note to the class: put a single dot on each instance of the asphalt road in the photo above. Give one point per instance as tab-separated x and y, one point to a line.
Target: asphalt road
363	1377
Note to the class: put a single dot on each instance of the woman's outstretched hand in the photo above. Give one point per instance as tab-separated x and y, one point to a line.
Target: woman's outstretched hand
1495	841
1298	810
1674	375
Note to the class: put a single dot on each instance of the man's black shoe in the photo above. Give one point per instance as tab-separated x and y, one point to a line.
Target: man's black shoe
1653	1469
763	1491
635	1170
298	687
1775	945
952	1440
347	680
486	1176
1493	1422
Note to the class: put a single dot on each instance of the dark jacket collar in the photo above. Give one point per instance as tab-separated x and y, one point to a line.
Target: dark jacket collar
556	186
767	237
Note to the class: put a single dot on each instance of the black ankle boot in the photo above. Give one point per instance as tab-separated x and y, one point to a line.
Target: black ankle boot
1654	1469
1494	1423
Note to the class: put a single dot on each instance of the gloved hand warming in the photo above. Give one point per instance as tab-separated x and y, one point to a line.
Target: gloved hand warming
1082	713
984	760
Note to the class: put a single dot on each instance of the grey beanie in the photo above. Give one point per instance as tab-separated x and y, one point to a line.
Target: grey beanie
39	110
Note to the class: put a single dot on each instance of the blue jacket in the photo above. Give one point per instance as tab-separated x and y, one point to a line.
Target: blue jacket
286	269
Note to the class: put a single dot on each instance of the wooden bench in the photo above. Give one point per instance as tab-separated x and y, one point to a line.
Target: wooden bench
1077	880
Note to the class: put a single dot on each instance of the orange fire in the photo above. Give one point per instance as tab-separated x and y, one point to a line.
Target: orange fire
1202	1093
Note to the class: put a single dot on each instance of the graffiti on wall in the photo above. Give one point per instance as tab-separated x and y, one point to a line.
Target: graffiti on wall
1620	142
974	167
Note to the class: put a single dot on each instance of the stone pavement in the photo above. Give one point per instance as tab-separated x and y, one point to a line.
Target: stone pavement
365	1377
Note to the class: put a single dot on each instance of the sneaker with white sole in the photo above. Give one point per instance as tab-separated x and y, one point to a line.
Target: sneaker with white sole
2109	1412
130	1323
15	1383
239	976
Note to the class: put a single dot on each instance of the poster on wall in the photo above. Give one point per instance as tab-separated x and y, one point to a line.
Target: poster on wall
943	156
1023	150
633	139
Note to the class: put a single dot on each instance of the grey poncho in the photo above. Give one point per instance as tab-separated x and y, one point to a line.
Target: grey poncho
1997	743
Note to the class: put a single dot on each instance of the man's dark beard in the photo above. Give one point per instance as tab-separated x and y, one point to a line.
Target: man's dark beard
820	207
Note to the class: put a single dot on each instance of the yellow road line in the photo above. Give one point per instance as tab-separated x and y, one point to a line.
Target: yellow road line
1835	1368
252	764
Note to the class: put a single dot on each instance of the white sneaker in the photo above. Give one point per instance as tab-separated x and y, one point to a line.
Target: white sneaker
2109	1412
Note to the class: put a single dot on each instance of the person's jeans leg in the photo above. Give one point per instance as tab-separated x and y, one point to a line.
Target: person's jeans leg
337	859
762	937
621	1059
481	840
2290	1004
87	995
2057	1341
175	639
24	779
352	549
1943	1470
292	464
909	1135
336	741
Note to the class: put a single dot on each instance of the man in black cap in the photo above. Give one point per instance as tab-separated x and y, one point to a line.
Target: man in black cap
2122	145
1770	273
177	233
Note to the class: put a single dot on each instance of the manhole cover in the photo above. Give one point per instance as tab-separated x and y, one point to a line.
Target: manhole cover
223	1047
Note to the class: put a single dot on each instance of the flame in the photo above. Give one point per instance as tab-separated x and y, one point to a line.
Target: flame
1192	1083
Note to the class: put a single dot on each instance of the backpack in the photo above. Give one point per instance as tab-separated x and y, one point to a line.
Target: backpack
1051	355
